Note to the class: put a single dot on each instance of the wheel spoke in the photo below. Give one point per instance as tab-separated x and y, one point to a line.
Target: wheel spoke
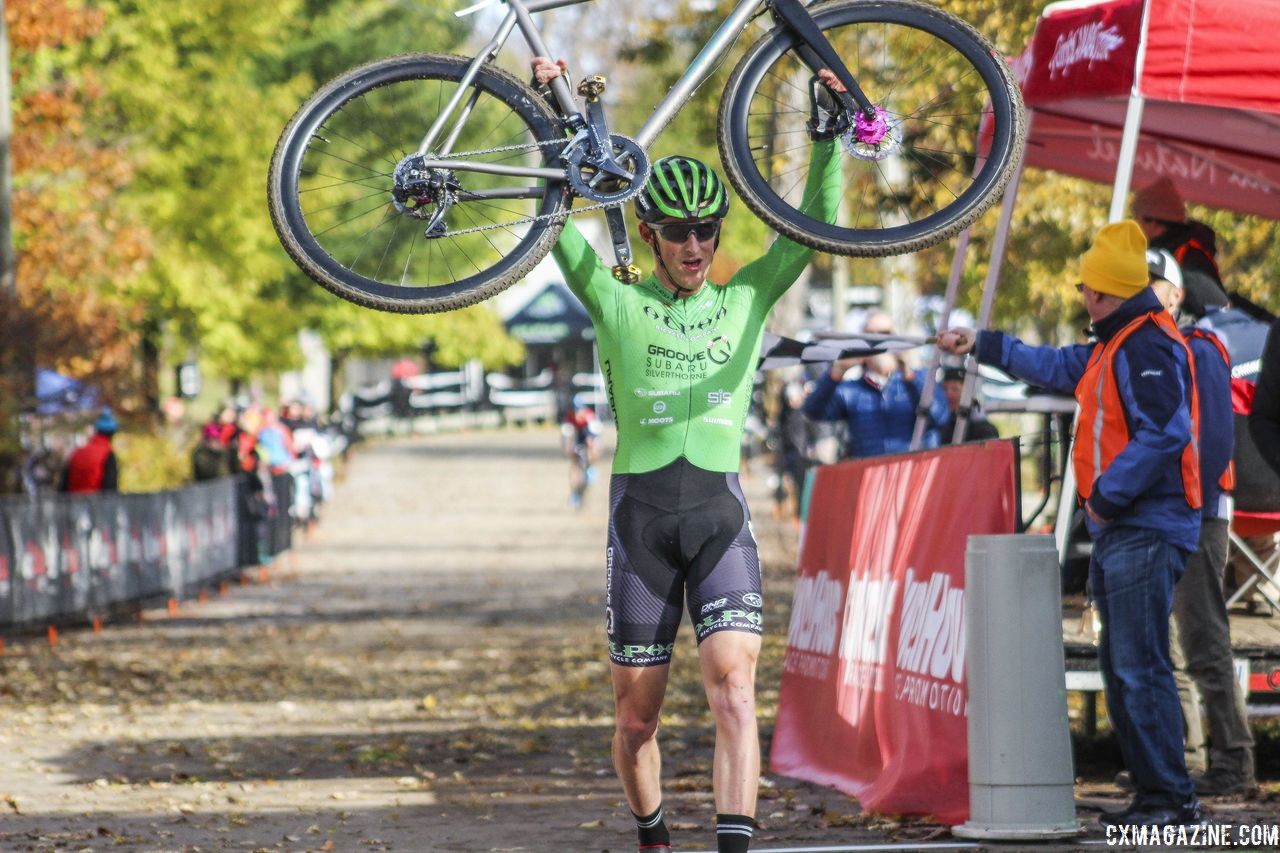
369	235
919	179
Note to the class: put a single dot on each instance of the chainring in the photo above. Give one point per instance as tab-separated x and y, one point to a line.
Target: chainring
592	184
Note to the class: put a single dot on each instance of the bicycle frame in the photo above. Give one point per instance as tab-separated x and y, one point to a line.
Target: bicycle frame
521	15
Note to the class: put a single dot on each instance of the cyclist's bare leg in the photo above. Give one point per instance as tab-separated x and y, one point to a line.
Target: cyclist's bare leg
637	699
728	663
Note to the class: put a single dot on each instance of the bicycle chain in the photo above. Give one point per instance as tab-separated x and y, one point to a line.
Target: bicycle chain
563	215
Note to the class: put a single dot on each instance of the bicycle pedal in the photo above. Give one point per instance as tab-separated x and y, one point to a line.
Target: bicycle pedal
627	273
592	87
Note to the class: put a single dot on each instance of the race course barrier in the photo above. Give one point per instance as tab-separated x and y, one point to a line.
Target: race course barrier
70	559
874	699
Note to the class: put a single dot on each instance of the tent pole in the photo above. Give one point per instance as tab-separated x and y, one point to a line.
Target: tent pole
1128	153
1132	126
998	247
944	322
1119	192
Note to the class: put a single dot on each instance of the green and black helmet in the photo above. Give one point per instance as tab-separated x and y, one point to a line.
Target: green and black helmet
682	188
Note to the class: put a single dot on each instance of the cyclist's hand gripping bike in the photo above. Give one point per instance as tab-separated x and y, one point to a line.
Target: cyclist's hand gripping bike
428	182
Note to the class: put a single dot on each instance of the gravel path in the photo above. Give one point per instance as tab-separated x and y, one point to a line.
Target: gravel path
425	674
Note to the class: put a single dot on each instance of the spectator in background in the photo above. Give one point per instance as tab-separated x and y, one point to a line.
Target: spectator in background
1201	645
1138	474
1264	425
93	467
1162	215
977	427
401	393
275	442
248	422
1264	417
789	439
209	459
879	406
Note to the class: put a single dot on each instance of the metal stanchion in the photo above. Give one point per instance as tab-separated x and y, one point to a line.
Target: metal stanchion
1020	769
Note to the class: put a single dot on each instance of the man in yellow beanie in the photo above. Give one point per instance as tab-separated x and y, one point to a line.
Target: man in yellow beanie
1137	472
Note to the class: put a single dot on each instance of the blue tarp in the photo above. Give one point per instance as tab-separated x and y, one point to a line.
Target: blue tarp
57	394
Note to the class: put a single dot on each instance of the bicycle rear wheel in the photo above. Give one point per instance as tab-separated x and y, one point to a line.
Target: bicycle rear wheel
332	178
951	133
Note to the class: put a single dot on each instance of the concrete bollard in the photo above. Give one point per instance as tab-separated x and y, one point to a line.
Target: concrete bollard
1020	769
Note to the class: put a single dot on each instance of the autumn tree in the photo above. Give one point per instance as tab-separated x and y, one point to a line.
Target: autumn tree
75	251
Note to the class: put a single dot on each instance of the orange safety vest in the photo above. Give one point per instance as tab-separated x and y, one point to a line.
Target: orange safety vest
1101	430
1227	482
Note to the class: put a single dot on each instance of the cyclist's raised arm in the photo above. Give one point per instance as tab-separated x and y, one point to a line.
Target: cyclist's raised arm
584	272
779	267
581	266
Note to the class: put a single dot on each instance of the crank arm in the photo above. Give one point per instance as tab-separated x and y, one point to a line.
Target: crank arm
624	271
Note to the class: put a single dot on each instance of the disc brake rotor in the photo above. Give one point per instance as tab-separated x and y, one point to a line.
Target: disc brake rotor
875	138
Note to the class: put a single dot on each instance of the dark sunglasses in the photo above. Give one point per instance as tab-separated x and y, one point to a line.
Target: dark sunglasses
678	232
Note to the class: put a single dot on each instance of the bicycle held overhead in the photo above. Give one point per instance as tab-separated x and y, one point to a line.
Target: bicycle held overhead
429	182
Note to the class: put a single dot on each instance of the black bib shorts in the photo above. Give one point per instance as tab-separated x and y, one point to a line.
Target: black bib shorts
678	533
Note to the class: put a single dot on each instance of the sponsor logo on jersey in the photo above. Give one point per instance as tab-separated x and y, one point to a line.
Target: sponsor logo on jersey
742	620
719	398
639	653
668	325
659	407
658	392
657	421
719	349
677	355
667	363
718	421
712	605
753	599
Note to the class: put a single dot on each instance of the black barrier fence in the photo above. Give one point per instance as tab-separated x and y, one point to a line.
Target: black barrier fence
66	559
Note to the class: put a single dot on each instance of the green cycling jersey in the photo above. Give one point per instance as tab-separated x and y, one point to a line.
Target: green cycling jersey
679	371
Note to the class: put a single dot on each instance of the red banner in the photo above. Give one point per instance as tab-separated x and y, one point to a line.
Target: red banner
1087	52
873	696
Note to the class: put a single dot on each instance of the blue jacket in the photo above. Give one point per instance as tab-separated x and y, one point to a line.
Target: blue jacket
1143	485
1217	423
880	420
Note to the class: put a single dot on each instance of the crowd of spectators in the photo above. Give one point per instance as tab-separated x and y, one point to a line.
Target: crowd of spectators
257	443
861	407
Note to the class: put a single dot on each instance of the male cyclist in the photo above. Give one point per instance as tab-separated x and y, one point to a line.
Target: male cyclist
679	355
581	435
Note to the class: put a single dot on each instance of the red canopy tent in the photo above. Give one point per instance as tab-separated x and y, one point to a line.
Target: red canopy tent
1195	82
1121	91
1129	91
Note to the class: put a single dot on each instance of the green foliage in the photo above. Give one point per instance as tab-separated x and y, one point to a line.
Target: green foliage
474	332
182	82
1248	253
328	37
199	92
151	461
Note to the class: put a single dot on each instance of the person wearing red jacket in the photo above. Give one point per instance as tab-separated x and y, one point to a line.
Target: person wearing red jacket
92	467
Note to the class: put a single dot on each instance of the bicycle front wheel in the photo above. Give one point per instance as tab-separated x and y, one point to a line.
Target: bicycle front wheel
946	139
350	216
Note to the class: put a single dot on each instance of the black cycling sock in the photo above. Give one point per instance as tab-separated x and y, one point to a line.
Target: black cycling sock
733	833
652	830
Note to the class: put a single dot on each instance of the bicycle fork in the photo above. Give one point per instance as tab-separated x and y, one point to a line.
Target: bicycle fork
818	54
